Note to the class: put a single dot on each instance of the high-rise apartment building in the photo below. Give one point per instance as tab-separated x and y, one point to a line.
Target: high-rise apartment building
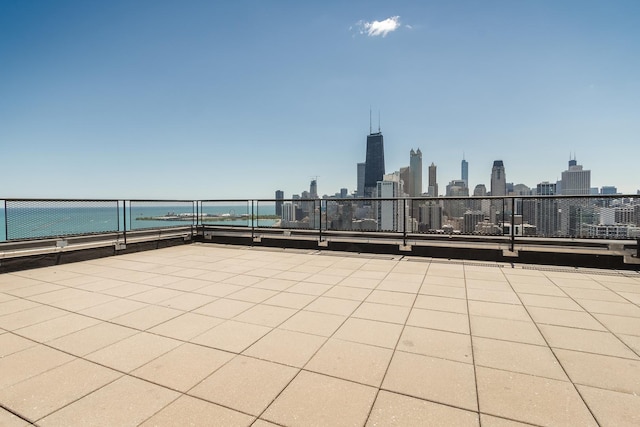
498	179
389	212
464	171
374	163
360	182
405	176
313	189
433	182
279	197
575	180
415	166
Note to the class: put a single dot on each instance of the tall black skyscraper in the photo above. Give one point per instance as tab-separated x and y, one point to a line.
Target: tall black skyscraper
279	197
374	164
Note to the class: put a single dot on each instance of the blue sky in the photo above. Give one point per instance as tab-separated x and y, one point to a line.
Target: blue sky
204	99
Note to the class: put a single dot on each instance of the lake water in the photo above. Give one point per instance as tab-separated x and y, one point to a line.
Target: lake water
24	220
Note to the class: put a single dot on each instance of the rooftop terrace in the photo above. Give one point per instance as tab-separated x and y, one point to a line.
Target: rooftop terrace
216	335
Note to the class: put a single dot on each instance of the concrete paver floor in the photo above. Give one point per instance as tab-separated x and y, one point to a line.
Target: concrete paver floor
217	335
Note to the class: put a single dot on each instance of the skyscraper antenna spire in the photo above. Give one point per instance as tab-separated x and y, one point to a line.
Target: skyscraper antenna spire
370	125
378	121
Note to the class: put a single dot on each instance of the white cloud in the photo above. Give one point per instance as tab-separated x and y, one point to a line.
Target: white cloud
379	28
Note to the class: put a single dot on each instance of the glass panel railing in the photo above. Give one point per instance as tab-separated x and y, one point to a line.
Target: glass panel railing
37	219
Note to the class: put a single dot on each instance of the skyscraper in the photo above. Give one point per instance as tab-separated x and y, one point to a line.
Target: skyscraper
433	182
374	163
313	189
464	171
360	185
575	180
415	167
498	179
279	197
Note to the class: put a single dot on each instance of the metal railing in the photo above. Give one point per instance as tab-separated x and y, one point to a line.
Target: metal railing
606	217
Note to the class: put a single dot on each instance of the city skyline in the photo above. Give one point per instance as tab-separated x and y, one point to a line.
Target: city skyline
216	100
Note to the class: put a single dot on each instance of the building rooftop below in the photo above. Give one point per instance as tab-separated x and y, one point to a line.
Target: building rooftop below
207	334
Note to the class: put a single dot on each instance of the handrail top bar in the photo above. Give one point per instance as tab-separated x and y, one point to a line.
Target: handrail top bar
352	199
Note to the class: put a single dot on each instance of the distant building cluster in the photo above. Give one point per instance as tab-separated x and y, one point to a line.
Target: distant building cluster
427	211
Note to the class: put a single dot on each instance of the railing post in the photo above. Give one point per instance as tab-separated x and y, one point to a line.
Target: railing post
404	221
6	223
637	247
124	219
513	222
319	218
252	223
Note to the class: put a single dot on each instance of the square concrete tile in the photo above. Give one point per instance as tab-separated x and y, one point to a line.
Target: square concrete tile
505	329
57	327
612	408
313	323
45	393
562	303
286	347
391	298
442	320
133	352
397	285
126	289
267	315
307	288
432	342
125	402
620	324
360	282
112	309
245	384
632	341
147	317
318	400
611	373
381	334
7	419
232	336
28	363
255	295
505	297
499	310
517	357
593	294
275	284
491	421
607	307
343	307
189	411
219	290
434	379
224	308
443	291
290	300
11	343
187	301
183	367
530	399
352	361
382	312
430	302
348	292
586	340
538	289
396	409
30	316
186	326
91	339
570	318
